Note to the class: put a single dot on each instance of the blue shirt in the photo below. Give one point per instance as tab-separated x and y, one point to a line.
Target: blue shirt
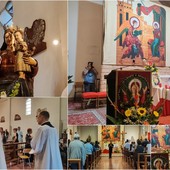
90	77
89	148
76	150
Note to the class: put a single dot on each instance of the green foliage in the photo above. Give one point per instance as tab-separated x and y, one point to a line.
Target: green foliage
70	79
151	68
15	90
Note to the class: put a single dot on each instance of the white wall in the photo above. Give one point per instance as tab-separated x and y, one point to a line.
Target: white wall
10	107
132	131
72	39
4	111
52	75
63	111
85	131
85	38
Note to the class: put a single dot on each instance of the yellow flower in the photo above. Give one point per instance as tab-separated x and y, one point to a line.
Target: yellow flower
128	112
141	111
156	114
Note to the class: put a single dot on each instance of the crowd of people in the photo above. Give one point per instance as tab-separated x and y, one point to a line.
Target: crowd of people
141	146
44	145
78	149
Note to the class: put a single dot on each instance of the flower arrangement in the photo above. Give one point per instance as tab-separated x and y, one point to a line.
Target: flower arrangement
151	67
134	102
129	113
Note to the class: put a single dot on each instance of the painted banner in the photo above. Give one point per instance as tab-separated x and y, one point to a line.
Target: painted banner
136	35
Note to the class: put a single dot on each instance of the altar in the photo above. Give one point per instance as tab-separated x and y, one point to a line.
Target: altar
133	97
118	134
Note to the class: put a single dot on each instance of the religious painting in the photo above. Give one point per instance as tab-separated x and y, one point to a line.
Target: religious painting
2	119
159	161
17	117
140	32
110	133
160	137
129	97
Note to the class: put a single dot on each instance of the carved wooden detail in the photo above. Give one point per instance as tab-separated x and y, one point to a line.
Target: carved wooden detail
34	36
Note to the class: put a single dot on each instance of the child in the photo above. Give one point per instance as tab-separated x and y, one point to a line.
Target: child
21	49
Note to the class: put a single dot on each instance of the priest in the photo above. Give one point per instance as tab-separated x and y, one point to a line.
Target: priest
2	156
45	144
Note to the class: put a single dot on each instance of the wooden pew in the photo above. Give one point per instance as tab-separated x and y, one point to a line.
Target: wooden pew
77	161
11	152
87	162
143	158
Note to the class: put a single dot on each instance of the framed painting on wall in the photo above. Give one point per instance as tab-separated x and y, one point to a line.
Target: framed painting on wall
110	133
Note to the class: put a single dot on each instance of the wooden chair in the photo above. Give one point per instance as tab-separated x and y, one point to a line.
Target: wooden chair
87	97
78	89
24	157
101	98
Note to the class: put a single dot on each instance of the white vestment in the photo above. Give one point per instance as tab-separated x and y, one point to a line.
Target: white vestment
2	156
45	145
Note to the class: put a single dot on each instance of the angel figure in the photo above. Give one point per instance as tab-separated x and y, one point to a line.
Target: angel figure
21	49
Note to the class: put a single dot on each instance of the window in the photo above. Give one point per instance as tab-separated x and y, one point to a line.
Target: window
28	106
6	14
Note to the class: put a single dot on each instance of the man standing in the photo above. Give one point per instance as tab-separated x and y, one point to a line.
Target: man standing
89	76
76	150
110	149
20	134
45	144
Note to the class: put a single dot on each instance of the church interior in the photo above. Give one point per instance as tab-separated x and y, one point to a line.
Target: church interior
107	36
42	30
102	73
21	112
96	47
121	158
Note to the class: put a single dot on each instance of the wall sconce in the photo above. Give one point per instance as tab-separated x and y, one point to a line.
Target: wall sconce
56	42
